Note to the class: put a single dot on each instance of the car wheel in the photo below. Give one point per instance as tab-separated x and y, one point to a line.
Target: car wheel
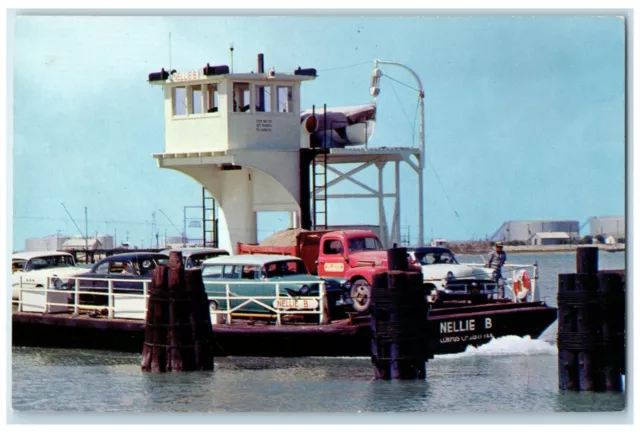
216	318
361	295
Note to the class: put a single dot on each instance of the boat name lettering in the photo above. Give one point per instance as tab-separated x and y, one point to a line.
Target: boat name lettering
465	338
458	326
184	76
487	323
263	125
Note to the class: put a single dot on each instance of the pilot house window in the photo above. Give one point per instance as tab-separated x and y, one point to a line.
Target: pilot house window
179	101
212	98
241	98
263	98
285	99
196	99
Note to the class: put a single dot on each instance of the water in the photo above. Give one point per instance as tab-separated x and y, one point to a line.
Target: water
508	375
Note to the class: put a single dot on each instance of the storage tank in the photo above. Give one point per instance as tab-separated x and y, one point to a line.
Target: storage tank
608	225
46	243
523	231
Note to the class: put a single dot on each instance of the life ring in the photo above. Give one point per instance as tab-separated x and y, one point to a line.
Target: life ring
521	285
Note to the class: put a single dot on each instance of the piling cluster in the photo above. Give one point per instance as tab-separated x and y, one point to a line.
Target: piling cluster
591	326
400	343
178	332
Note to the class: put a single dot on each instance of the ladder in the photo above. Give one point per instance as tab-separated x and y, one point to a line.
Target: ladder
209	221
319	181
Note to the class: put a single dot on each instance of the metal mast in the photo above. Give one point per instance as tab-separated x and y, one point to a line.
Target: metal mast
422	147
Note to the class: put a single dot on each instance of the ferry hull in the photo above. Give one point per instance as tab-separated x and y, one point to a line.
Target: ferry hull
453	329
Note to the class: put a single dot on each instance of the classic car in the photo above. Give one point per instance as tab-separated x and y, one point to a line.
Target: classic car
32	269
128	271
442	271
260	275
192	257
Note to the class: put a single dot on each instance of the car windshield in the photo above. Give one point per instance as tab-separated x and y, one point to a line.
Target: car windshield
364	244
283	268
435	257
49	262
195	260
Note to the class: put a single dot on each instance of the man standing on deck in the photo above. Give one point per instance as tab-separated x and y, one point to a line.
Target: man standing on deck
496	260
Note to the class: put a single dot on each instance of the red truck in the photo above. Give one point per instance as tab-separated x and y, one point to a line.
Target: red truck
351	256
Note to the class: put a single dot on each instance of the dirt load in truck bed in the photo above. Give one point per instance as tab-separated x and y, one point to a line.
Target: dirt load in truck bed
283	238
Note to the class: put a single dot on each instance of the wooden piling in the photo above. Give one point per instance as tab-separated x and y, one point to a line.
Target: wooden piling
400	340
590	327
178	333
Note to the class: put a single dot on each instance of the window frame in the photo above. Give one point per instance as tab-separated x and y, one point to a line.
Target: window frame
174	90
191	100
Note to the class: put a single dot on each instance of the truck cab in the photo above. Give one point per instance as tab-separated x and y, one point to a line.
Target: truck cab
352	256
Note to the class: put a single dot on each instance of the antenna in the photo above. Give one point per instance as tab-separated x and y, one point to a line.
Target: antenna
231	54
174	226
170	53
73	221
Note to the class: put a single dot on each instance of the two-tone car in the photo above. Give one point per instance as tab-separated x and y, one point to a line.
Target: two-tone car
34	269
250	276
193	257
442	271
125	272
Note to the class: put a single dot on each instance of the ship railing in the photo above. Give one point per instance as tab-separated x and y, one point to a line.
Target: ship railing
279	306
510	274
131	303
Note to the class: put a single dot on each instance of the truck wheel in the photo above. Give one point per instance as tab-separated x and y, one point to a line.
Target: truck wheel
361	295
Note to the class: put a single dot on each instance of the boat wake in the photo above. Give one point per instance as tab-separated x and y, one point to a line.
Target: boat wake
506	346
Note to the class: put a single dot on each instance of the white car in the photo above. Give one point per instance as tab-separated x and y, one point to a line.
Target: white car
32	269
442	271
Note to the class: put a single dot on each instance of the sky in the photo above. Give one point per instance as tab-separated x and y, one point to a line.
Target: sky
524	116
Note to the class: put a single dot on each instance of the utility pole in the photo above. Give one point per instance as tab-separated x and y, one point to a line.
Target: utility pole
58	239
154	232
86	230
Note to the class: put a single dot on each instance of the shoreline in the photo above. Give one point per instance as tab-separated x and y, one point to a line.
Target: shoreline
462	249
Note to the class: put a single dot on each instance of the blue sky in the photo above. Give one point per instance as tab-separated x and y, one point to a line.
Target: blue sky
524	115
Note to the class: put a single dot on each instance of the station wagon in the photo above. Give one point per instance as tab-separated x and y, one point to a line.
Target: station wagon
260	276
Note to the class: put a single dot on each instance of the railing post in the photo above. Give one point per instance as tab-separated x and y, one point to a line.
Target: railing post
226	288
321	302
145	290
534	283
46	294
19	295
278	320
110	299
76	289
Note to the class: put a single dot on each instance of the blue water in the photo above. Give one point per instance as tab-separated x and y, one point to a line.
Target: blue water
508	375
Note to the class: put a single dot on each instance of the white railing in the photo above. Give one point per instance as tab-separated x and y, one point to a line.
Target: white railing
279	309
512	269
134	305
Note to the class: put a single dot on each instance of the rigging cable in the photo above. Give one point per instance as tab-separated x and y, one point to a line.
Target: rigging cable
401	105
344	67
413	138
399	82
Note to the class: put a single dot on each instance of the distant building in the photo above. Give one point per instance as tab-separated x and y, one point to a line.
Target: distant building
46	243
523	231
610	240
550	238
80	244
605	226
106	241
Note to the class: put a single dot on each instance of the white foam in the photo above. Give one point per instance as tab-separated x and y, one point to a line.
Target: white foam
505	346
